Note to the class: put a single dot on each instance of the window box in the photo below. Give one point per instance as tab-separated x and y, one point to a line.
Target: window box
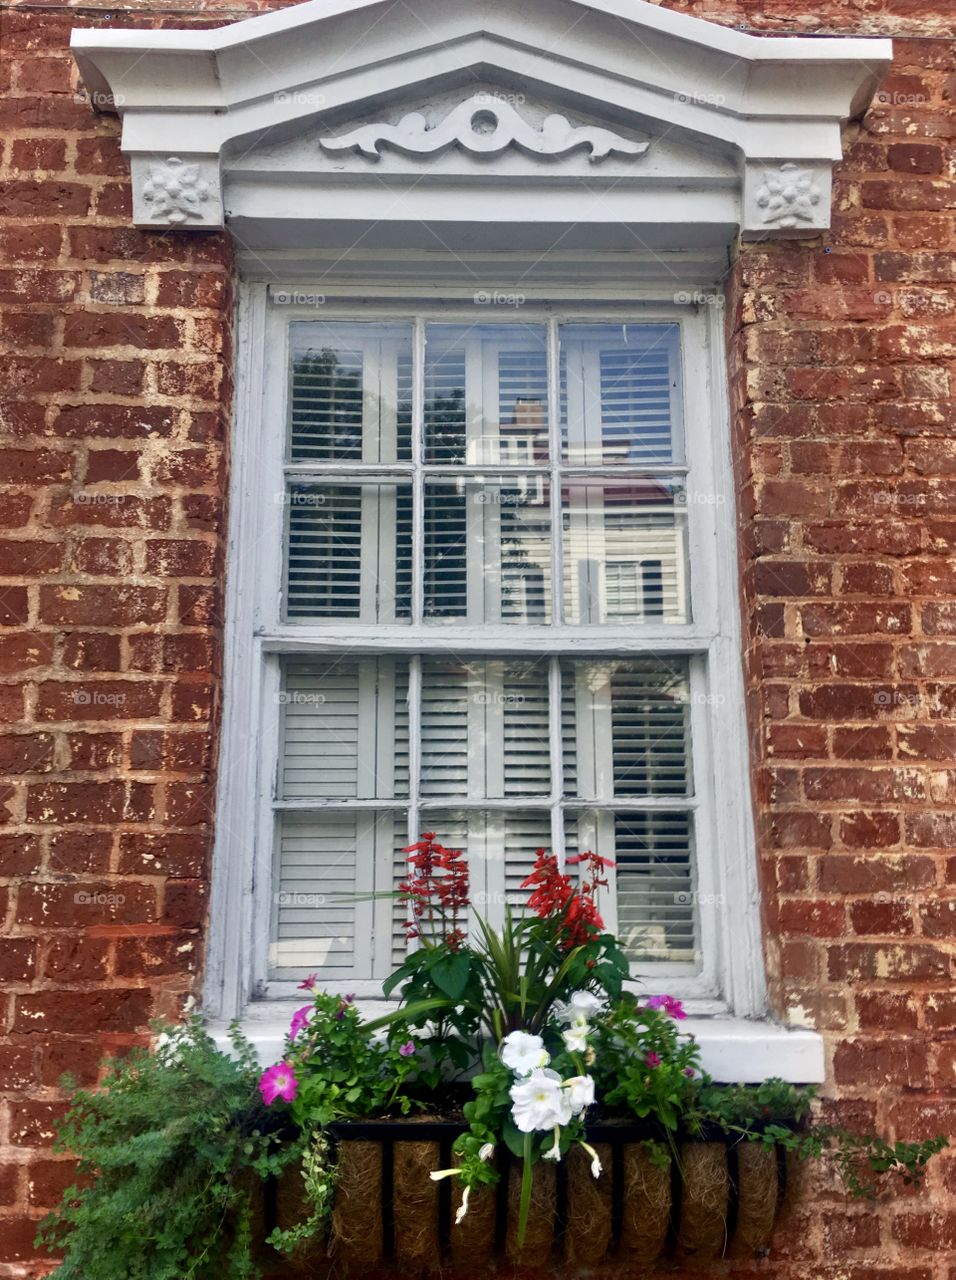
721	1199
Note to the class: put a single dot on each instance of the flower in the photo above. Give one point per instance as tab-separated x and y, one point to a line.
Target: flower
278	1081
540	1102
576	1038
579	1007
463	1207
309	983
407	1049
554	1151
652	1060
523	1053
299	1020
596	1166
689	1072
343	1005
669	1004
580	1091
486	1151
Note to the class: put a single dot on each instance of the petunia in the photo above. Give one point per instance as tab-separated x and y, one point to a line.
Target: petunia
299	1020
540	1102
652	1060
463	1207
309	983
407	1049
578	1008
576	1038
554	1151
278	1081
580	1091
523	1053
669	1004
596	1166
486	1151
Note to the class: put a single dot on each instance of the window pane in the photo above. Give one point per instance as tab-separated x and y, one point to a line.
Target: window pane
485	729
488	550
500	849
626	728
351	392
653	907
625	551
344	729
620	388
486	394
324	918
350	551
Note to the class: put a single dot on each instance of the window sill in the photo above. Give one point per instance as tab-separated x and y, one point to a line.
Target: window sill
733	1050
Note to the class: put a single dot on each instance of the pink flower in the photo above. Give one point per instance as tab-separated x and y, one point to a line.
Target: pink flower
407	1049
299	1020
343	1005
652	1060
309	983
689	1072
670	1005
278	1081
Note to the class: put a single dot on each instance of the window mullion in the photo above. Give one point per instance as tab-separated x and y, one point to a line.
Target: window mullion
554	451
418	484
556	745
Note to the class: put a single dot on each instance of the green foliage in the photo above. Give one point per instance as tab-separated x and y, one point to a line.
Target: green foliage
644	1066
344	1071
318	1185
169	1151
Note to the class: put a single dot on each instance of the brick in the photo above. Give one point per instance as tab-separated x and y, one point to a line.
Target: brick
98	700
103	606
82	905
116	1009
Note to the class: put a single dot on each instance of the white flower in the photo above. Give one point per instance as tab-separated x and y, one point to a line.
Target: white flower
540	1102
463	1207
580	1091
554	1152
596	1166
487	1151
523	1053
576	1038
576	1011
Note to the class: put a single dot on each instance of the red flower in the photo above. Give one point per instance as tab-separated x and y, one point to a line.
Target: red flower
435	892
553	894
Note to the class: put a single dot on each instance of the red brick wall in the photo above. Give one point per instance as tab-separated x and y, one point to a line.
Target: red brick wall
116	392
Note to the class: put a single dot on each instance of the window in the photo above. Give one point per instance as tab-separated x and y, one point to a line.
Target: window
486	608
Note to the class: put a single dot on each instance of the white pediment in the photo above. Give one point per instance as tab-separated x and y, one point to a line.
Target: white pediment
626	112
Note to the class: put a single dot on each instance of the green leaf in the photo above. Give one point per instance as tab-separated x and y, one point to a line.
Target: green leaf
451	974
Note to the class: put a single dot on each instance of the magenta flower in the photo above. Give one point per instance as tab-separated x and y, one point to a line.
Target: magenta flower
278	1081
669	1004
299	1020
407	1049
309	983
343	1005
689	1072
652	1060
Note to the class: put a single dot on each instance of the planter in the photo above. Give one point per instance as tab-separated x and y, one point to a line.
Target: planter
718	1200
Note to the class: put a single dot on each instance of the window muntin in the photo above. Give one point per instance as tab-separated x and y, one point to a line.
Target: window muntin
467	527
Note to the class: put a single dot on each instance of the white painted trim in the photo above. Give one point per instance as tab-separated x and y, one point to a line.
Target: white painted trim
240	909
237	94
733	1050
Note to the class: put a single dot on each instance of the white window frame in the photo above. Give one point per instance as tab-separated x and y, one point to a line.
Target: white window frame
732	980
